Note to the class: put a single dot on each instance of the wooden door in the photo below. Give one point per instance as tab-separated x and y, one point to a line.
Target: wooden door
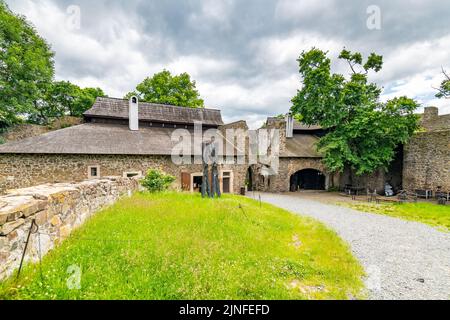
185	181
226	182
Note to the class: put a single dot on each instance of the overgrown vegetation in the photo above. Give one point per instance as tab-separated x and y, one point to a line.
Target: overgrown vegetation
363	131
180	246
444	89
29	92
157	181
164	88
432	214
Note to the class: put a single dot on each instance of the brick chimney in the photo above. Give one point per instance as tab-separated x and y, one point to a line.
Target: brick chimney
133	113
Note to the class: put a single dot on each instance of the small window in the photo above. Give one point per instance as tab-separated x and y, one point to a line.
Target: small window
94	172
227	174
132	174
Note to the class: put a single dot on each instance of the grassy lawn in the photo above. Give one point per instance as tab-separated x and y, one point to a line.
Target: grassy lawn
432	214
178	246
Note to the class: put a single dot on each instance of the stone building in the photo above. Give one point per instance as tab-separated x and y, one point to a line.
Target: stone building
126	138
115	142
300	165
426	161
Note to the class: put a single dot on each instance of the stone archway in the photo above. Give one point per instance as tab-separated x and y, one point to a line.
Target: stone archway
308	179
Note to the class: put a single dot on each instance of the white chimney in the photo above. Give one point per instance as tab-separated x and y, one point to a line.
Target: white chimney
133	113
289	126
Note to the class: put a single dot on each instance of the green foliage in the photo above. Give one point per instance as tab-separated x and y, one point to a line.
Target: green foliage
164	88
444	89
26	77
26	67
180	246
363	132
64	98
157	181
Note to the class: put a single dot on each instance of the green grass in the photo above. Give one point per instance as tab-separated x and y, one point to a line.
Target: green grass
432	214
178	246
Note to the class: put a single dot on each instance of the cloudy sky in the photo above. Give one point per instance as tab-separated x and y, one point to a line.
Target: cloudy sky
242	53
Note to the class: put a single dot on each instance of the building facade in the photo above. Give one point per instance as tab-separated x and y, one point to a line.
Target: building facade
127	138
109	144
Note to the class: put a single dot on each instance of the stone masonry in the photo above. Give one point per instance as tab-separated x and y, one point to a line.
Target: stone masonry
57	210
26	170
426	162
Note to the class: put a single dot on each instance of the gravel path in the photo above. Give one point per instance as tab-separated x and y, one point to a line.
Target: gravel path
403	260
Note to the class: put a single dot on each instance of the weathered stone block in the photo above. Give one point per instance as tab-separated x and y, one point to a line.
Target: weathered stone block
32	207
11	226
3	218
3	242
41	217
55	221
3	257
12	235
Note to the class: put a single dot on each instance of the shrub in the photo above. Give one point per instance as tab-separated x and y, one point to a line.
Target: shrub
157	181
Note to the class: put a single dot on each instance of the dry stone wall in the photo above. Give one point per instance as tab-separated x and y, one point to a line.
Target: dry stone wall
57	210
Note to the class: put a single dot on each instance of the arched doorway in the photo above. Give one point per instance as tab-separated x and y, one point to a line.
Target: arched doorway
249	179
307	179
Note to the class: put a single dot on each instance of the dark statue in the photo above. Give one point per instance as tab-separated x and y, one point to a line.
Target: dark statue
210	183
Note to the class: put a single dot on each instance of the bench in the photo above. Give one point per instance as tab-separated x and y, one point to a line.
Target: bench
427	194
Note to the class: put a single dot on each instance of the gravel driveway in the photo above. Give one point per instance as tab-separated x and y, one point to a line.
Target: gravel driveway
403	260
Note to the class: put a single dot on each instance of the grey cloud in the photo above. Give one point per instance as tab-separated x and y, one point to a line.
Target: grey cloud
236	34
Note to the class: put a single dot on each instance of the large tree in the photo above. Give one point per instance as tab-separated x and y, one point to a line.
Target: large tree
178	90
26	67
444	89
65	98
363	131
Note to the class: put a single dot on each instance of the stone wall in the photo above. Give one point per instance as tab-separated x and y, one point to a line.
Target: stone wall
57	210
25	170
427	161
432	121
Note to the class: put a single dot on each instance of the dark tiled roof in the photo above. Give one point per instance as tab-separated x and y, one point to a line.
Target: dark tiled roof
97	139
118	109
297	125
301	146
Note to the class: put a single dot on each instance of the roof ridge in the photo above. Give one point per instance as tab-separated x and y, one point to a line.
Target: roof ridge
160	104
